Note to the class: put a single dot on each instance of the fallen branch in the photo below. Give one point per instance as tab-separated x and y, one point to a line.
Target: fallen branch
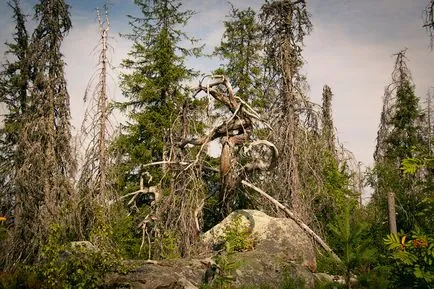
294	218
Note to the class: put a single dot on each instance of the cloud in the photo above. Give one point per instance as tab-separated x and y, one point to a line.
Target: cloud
80	49
352	51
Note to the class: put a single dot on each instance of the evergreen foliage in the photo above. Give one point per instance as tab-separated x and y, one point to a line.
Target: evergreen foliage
37	131
160	116
241	48
155	88
399	138
151	191
14	82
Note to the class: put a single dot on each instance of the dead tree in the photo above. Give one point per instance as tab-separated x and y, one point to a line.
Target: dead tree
234	133
429	21
94	187
286	23
327	120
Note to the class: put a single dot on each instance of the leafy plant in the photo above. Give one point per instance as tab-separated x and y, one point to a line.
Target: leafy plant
63	265
414	259
169	247
352	244
289	282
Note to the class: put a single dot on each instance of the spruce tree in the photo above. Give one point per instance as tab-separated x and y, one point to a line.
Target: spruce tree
429	21
285	24
14	85
327	119
241	48
157	106
44	175
398	138
95	186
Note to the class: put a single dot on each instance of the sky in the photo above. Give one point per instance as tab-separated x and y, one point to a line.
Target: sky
350	48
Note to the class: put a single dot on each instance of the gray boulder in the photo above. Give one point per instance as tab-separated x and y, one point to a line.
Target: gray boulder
275	236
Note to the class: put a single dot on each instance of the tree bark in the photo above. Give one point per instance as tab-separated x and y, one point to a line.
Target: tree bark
392	212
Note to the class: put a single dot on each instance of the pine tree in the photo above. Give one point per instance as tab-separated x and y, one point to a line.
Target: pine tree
158	110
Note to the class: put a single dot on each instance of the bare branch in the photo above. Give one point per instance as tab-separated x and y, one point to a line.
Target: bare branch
294	218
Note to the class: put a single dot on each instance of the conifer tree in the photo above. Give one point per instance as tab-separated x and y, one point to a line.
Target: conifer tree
285	24
327	119
94	184
158	115
429	20
44	175
14	84
398	138
240	48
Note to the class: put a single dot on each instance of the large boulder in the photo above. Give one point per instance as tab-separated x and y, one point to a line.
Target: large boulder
255	269
182	274
276	236
281	249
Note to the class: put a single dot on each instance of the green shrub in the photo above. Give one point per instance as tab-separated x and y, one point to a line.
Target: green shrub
326	263
290	282
65	266
20	278
413	256
169	246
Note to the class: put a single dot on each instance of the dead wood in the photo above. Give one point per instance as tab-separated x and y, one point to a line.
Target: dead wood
293	217
233	132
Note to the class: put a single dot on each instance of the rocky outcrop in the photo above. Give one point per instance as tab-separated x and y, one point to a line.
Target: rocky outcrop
281	250
271	235
255	268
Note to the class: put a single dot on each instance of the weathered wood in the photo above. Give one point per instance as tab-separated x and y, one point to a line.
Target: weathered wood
293	217
392	212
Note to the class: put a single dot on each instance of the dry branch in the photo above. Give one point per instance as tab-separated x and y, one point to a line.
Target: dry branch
294	218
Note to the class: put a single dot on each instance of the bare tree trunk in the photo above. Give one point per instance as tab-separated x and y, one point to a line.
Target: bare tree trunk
392	213
102	107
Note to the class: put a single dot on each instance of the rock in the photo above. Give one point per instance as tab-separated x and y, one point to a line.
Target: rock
276	236
183	284
260	269
184	273
255	269
281	250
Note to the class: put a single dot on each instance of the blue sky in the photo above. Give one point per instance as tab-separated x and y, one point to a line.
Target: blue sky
350	49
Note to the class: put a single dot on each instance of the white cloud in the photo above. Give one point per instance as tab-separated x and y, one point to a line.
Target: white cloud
358	66
81	55
350	49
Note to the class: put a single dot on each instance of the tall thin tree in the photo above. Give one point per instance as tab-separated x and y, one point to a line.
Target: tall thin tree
154	85
285	25
398	135
44	177
94	184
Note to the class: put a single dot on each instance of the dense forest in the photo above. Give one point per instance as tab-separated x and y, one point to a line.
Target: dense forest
149	188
